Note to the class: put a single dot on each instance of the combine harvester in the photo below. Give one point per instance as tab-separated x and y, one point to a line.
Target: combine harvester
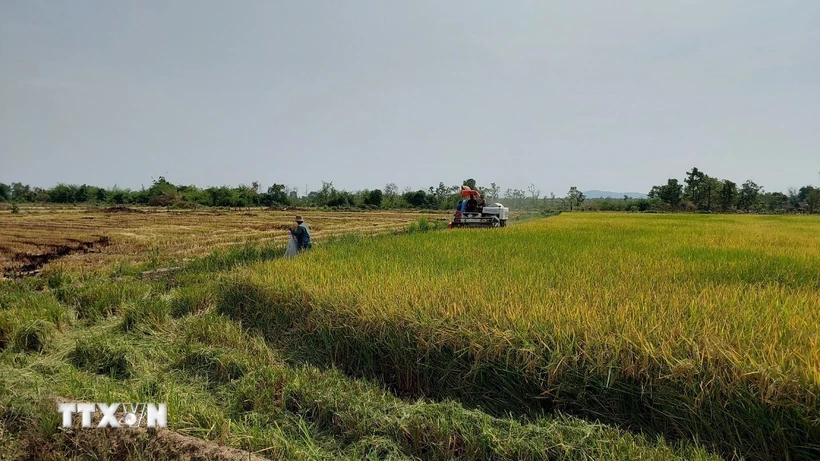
470	213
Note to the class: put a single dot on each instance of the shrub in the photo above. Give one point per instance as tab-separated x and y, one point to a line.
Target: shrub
217	364
145	315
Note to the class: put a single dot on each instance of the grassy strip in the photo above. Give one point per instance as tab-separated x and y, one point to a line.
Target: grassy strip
708	338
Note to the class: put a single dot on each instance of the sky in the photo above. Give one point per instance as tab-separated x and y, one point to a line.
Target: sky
596	94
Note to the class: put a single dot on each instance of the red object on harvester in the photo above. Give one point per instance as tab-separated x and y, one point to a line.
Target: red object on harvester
469	192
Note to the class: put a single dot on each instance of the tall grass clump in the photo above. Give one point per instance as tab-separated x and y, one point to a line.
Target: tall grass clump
94	300
29	319
690	326
237	255
146	315
425	225
34	335
103	355
192	299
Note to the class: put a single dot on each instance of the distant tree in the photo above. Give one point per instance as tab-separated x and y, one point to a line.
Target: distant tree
255	187
81	195
643	204
5	192
775	202
219	196
417	199
21	192
813	200
100	195
276	195
193	195
453	197
709	193
161	193
694	178
40	195
748	196
61	193
244	196
118	196
575	197
534	194
728	195
803	193
374	198
341	199
794	199
469	182
515	194
323	196
390	195
493	192
669	193
441	195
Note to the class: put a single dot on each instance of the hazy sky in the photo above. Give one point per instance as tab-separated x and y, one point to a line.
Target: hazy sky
596	94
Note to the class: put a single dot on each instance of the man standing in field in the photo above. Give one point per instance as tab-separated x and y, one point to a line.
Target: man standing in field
301	234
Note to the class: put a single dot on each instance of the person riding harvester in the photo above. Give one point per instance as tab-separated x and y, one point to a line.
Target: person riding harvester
471	204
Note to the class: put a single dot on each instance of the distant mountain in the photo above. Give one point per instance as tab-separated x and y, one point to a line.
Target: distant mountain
610	194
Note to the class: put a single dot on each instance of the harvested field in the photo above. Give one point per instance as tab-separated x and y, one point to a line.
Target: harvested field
95	238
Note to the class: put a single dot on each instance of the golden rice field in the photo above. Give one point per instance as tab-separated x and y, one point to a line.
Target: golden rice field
96	238
697	327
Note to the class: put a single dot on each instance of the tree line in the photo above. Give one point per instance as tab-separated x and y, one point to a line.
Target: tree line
166	194
701	192
697	192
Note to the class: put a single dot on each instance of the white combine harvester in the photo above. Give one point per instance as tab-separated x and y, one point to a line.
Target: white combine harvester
470	214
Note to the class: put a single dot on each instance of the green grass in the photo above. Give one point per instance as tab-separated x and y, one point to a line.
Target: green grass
691	326
122	337
224	385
